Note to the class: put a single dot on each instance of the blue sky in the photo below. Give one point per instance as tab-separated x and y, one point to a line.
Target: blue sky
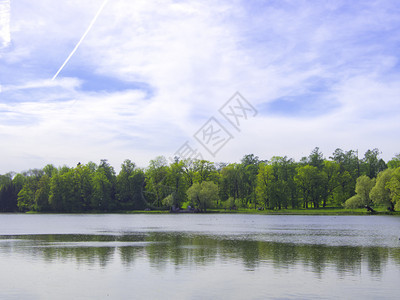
149	74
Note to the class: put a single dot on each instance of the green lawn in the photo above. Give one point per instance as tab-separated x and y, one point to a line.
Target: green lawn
299	211
310	211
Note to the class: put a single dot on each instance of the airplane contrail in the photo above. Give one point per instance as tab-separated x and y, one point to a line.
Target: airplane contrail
4	23
82	38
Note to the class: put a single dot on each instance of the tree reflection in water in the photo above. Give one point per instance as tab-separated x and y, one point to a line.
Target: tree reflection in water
197	250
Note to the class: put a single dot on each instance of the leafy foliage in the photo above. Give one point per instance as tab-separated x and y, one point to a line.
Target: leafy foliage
364	186
354	202
280	183
380	193
202	195
394	187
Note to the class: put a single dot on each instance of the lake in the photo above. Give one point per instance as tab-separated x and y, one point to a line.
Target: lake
199	256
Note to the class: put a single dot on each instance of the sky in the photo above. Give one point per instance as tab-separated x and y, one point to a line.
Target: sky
84	80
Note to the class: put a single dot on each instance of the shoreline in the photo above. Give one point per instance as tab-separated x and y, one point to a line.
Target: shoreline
304	212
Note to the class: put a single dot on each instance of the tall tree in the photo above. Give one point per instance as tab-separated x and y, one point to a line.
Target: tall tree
231	182
176	183
109	172
102	195
250	164
83	185
265	185
138	181
348	161
42	194
8	194
204	171
189	170
50	170
309	181
203	195
5	180
331	180
156	187
26	196
371	163
364	186
285	187
125	185
363	189
65	194
56	196
394	162
394	187
349	171
380	193
316	159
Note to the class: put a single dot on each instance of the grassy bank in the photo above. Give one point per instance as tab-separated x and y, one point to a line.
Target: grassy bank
312	211
329	211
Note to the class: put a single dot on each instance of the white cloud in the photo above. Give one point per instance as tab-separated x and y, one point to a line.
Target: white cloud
193	56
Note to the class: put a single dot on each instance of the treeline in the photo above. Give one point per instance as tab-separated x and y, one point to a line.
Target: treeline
281	182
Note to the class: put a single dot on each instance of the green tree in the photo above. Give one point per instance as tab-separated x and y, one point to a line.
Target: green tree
309	181
176	183
102	195
50	170
394	162
42	194
65	194
250	164
26	196
285	186
203	195
5	179
156	188
82	185
380	193
19	181
71	192
231	180
138	181
364	186
204	171
70	189
354	202
189	171
394	187
60	190
265	185
8	194
125	185
372	164
331	180
316	159
349	171
169	201
62	170
56	197
345	190
109	172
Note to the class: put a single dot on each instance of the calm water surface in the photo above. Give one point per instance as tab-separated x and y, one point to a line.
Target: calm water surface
199	257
